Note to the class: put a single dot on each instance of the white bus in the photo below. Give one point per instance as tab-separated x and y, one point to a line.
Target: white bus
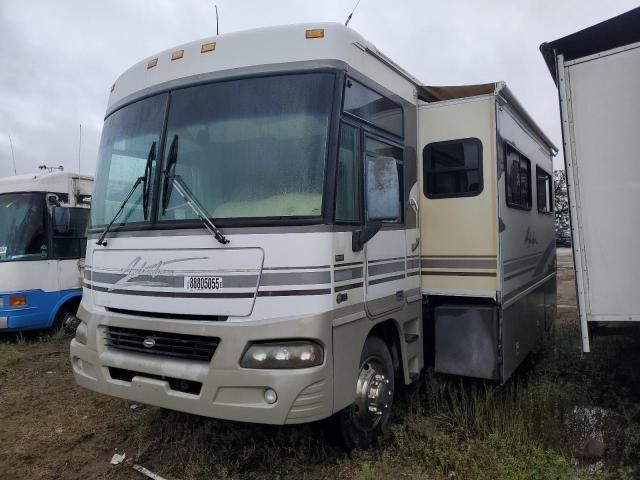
286	224
43	220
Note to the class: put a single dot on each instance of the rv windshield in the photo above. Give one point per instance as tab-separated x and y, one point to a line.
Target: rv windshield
23	234
251	148
127	138
247	148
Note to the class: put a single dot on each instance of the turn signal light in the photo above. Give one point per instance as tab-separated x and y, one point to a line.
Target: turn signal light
17	301
314	33
208	47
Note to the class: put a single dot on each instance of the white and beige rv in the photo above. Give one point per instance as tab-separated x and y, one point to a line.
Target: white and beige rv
286	224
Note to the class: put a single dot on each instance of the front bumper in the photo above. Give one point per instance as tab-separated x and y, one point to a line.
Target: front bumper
227	391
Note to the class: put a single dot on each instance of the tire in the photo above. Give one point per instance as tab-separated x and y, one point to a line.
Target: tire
66	318
362	423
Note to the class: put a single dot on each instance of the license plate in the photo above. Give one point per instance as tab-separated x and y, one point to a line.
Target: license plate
202	283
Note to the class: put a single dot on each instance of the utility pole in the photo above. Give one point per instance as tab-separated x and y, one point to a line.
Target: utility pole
79	148
12	155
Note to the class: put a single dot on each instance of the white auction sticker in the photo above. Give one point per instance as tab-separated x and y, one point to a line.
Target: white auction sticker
200	283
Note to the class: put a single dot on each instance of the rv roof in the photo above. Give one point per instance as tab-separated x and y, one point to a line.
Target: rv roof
58	182
249	48
613	33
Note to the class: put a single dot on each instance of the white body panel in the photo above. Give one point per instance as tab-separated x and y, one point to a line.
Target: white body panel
601	114
527	238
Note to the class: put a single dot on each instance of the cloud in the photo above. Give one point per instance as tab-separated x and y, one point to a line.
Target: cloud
59	59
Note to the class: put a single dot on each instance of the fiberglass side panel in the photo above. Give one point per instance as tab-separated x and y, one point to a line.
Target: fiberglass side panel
606	114
527	239
458	233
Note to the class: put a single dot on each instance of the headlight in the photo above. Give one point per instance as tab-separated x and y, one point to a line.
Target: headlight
17	301
81	333
294	354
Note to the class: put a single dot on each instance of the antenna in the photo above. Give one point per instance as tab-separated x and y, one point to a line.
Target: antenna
346	24
12	155
79	148
217	26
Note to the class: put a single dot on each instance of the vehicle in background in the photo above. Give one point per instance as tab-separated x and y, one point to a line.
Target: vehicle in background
563	235
286	224
43	220
597	72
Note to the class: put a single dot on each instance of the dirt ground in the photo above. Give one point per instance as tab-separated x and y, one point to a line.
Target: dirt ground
52	429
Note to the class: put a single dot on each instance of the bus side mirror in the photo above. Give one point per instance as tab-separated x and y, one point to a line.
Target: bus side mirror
61	219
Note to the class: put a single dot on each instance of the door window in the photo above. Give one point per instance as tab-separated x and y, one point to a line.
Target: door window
348	181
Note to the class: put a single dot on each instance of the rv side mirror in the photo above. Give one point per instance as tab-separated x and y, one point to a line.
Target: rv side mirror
360	237
53	201
61	219
383	189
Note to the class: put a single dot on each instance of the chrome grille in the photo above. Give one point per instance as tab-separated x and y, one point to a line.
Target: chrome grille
191	347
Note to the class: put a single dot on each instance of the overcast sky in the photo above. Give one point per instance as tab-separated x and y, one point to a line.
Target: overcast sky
58	59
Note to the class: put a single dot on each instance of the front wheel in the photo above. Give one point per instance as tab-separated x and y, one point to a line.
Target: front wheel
364	421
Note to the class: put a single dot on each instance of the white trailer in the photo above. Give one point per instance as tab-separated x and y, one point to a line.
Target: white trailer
43	221
285	223
597	71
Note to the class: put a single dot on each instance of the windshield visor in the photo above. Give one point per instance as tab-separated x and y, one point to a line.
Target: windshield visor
23	234
250	148
127	138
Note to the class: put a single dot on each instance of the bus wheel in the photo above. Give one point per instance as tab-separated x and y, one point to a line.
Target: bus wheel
67	319
363	422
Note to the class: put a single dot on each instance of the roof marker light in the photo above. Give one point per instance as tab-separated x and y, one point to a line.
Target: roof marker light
177	55
314	33
152	63
208	47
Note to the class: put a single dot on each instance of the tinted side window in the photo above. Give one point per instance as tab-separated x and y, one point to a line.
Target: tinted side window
372	107
348	182
544	192
69	232
518	179
452	168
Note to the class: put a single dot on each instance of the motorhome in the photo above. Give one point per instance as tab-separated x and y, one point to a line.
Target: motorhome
43	220
597	72
286	224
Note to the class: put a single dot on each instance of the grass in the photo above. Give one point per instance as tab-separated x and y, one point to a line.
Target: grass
448	428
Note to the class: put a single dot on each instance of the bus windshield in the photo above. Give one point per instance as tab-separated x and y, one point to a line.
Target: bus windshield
23	233
245	148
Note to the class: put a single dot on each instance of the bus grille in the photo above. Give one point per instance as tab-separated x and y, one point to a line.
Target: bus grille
191	347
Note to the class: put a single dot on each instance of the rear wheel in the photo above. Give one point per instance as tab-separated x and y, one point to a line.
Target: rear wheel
363	422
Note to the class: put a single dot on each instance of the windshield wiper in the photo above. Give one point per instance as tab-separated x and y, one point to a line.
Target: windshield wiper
146	179
171	161
172	180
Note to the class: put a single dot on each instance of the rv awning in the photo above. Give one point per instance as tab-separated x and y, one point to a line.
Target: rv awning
437	94
613	33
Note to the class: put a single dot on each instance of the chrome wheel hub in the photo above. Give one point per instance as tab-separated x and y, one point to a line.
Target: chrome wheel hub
373	394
